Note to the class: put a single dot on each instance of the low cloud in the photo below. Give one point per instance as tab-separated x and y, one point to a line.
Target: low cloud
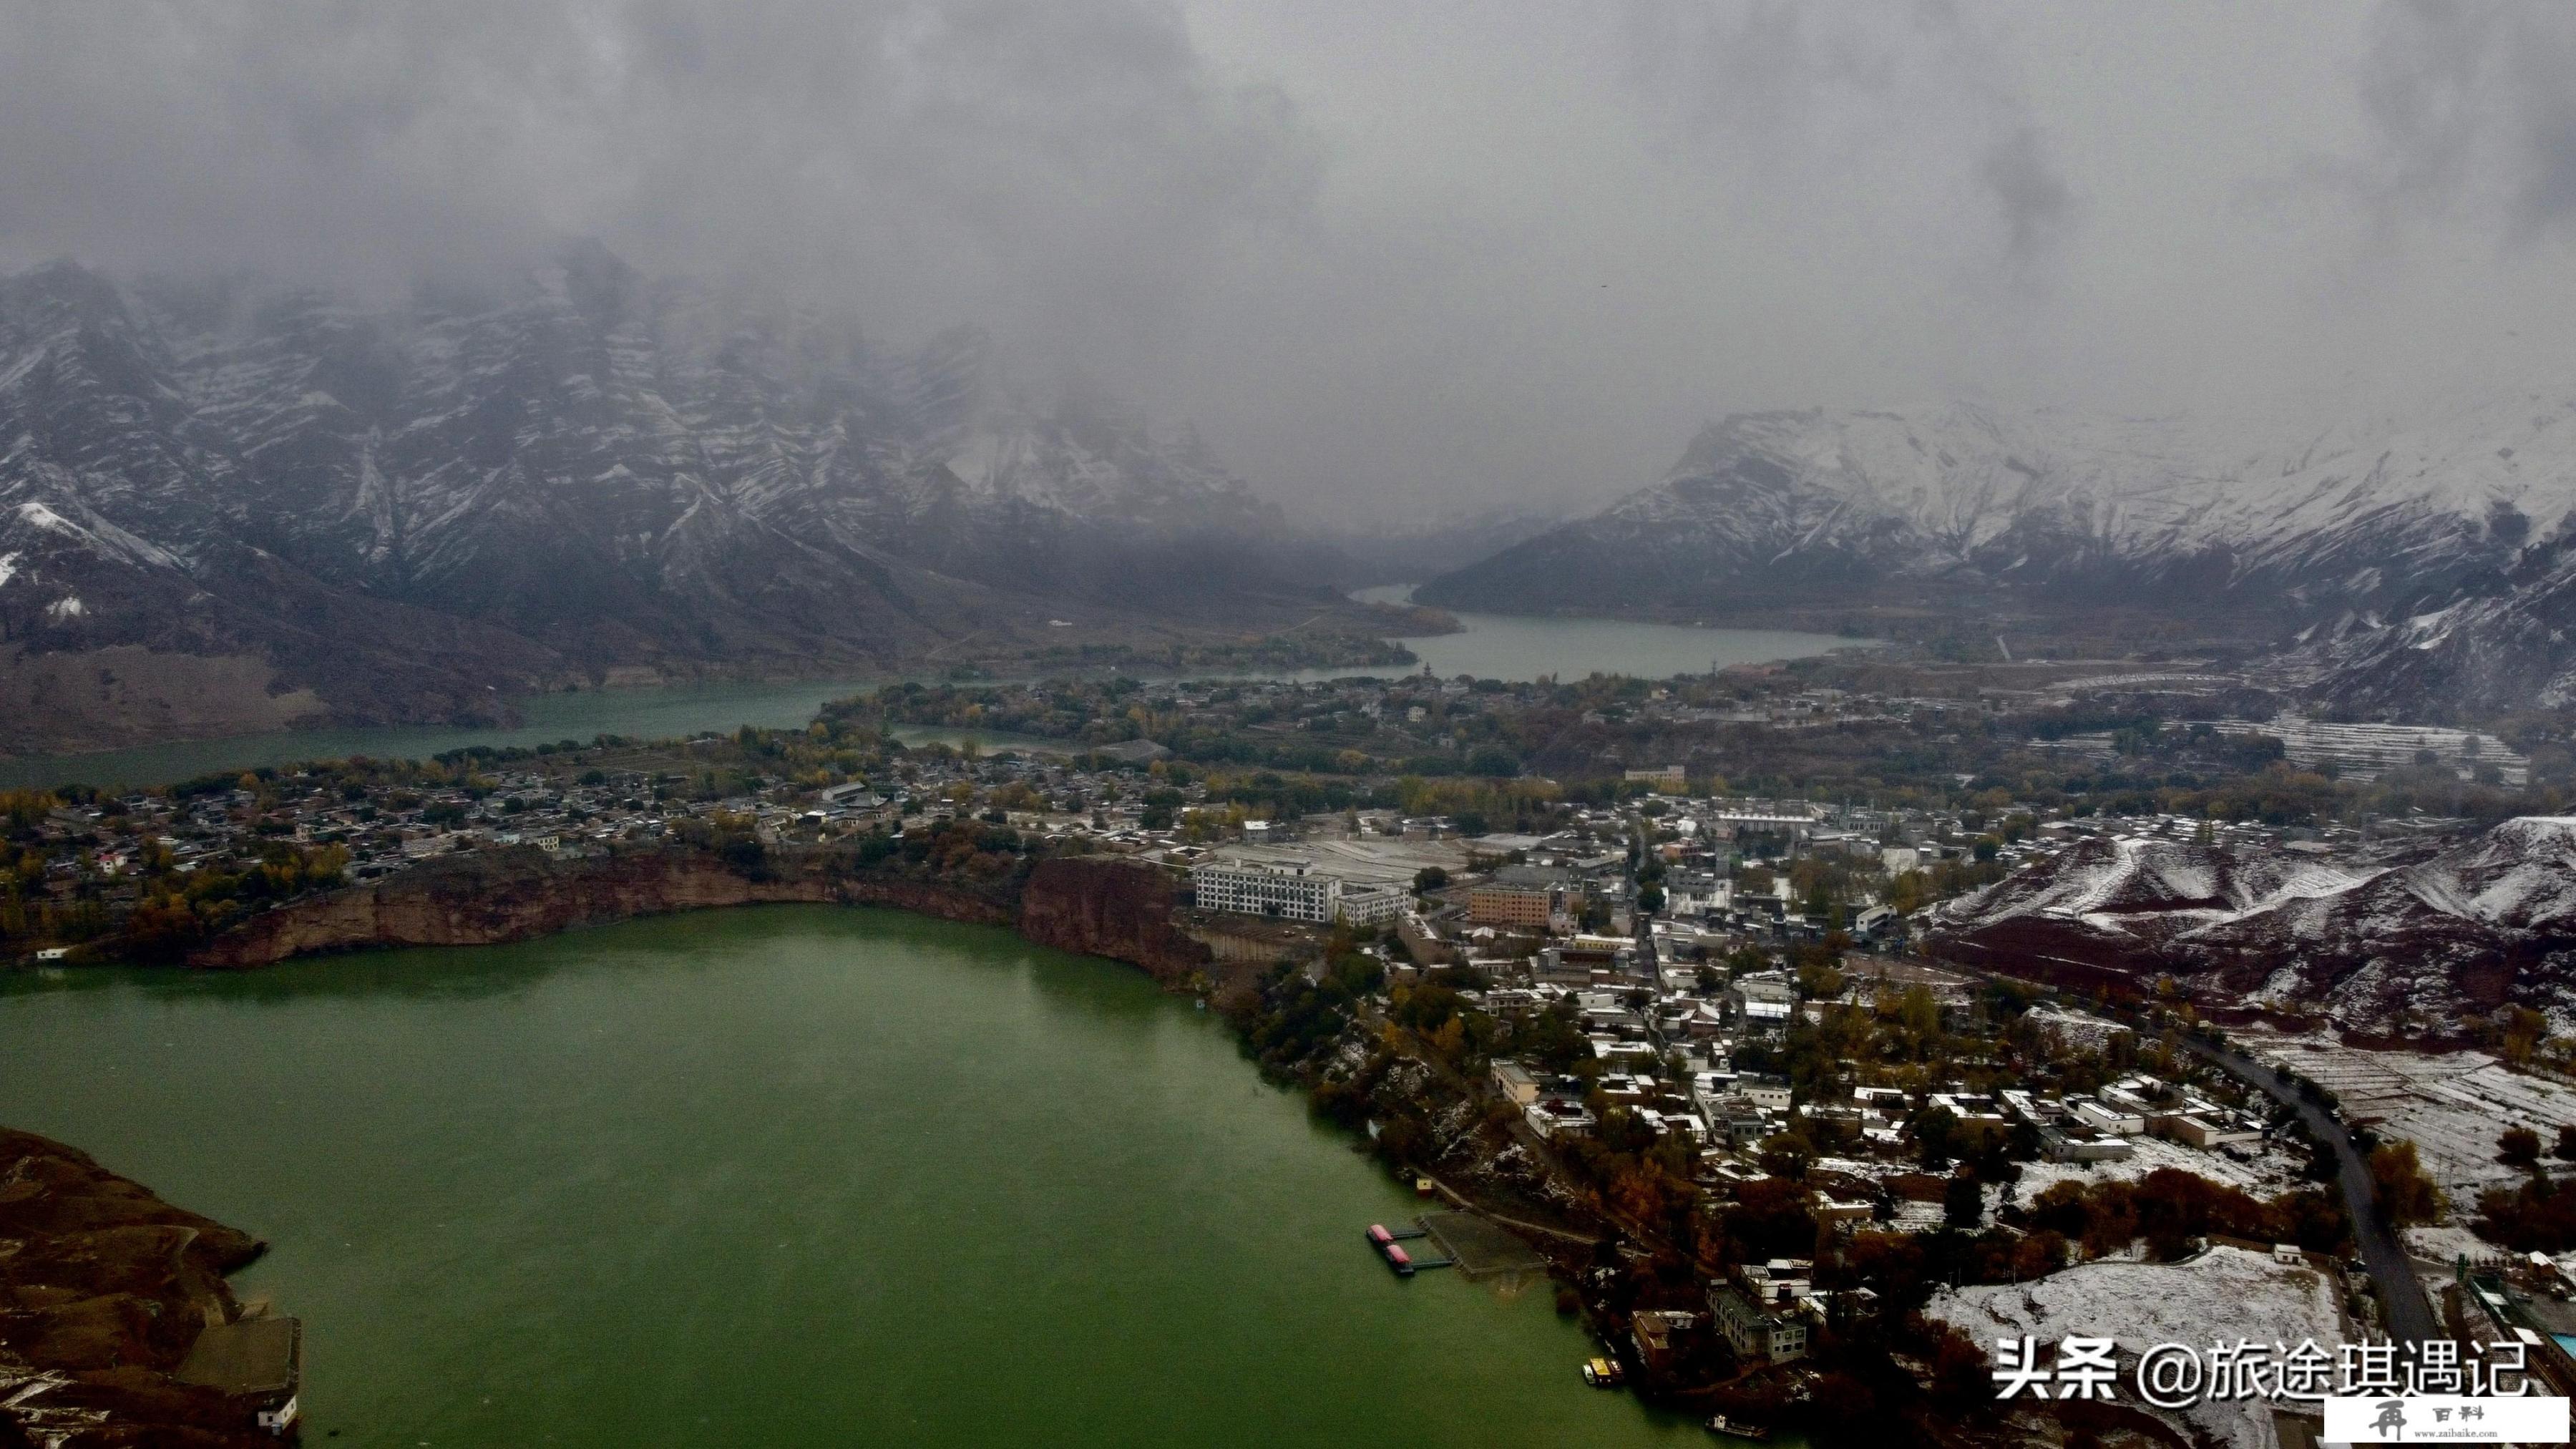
1908	105
2033	201
1058	168
1399	258
2472	115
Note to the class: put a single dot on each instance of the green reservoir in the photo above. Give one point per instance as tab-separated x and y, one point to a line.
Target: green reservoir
786	1176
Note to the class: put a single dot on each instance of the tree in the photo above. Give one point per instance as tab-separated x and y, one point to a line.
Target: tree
1908	893
1787	1156
2518	1147
2565	1151
1430	878
1450	1041
1821	981
1962	1203
2404	1194
1935	1134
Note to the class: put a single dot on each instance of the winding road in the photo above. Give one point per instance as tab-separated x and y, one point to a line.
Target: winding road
2401	1296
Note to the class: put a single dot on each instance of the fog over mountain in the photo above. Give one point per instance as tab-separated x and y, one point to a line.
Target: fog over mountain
244	503
1394	262
606	338
2407	569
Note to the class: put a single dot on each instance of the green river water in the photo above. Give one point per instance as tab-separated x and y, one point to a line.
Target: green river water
1489	646
786	1176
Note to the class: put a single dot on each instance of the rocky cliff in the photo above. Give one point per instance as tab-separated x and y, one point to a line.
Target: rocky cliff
512	895
1097	907
103	1289
1112	908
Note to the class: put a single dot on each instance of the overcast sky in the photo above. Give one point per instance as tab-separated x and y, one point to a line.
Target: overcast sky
1396	256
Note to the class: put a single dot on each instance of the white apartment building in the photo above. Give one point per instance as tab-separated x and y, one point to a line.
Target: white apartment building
1372	905
1289	890
1292	890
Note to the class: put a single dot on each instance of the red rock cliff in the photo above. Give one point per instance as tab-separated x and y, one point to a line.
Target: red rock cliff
511	895
1114	908
103	1289
1097	907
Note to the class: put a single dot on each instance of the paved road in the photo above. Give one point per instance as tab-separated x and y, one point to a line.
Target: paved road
2401	1296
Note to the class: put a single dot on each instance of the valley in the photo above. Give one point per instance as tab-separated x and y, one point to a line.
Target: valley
228	506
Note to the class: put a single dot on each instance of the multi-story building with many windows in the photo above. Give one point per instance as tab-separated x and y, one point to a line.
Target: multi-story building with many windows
1294	890
1372	905
1290	890
1528	896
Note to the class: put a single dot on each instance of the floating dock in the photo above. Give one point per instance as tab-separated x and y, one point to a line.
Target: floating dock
1389	1245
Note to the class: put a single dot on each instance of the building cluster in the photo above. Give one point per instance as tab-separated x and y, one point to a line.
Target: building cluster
86	862
1292	890
1872	1178
1684	947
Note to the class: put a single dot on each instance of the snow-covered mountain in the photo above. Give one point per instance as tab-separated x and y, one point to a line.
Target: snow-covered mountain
2368	548
2431	944
578	471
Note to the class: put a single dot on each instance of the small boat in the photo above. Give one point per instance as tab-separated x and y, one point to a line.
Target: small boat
1602	1373
1720	1424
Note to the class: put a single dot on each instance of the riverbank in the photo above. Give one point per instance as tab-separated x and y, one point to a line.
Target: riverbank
790	1175
1104	907
112	1287
1090	906
1488	646
107	1290
1403	1100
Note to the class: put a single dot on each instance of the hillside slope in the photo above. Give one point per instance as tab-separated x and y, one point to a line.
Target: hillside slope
2429	945
581	474
2396	566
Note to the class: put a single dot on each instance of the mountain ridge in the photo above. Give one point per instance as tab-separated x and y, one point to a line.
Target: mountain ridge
2435	942
2341	552
415	512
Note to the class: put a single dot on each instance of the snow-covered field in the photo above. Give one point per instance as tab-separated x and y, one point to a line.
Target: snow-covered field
2224	1293
2267	1175
2450	1106
2448	1242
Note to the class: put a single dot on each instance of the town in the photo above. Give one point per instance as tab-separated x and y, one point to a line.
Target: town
1679	1013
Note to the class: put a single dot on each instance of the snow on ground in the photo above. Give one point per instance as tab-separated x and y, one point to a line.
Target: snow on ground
2450	1106
2223	1293
2268	1175
2447	1243
2437	1250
